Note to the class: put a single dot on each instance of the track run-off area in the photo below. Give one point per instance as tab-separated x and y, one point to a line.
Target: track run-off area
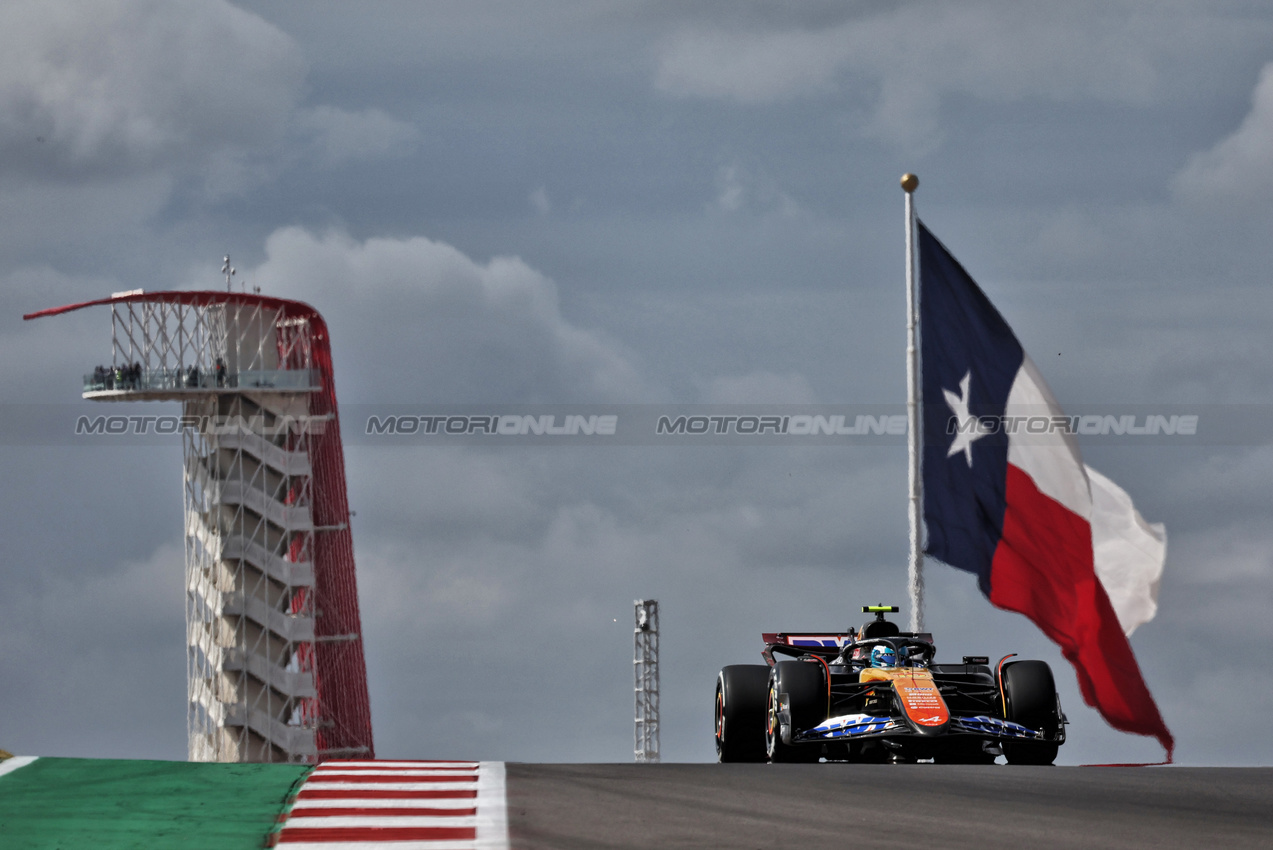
68	803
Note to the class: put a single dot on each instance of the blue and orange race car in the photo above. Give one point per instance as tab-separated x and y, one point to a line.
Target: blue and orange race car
875	695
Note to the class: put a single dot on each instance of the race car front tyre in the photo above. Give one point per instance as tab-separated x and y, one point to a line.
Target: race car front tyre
1029	693
740	712
804	686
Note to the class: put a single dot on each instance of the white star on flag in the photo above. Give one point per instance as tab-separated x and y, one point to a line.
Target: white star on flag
964	437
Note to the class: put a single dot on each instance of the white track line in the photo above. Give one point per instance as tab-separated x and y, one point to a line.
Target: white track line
12	764
492	807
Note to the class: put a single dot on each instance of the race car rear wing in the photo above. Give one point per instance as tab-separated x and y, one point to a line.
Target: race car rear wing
810	639
822	644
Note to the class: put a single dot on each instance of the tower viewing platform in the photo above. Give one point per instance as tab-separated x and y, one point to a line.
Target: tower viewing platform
275	662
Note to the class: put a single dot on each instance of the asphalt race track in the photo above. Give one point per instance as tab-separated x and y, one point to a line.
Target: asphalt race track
665	806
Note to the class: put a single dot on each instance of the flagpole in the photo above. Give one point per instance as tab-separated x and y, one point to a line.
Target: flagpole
915	569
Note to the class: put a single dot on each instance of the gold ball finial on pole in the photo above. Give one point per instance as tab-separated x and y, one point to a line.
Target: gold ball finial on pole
909	182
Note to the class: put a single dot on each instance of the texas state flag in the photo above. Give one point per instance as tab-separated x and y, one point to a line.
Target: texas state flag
1006	494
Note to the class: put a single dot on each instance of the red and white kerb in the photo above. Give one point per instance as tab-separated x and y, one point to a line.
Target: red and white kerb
430	805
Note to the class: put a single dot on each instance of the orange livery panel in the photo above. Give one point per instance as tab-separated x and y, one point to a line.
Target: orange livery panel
917	696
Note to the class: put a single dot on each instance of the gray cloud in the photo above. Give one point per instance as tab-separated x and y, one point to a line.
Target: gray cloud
494	328
199	89
339	135
90	88
626	202
903	60
760	388
1239	169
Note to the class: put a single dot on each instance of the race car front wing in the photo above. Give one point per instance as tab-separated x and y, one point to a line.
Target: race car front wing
855	726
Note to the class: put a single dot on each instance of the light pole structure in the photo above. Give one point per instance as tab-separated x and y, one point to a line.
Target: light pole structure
645	664
275	664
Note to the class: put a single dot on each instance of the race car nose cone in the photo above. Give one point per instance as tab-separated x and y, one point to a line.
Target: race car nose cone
929	725
921	704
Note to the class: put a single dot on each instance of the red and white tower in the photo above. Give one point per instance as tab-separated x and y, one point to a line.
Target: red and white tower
274	643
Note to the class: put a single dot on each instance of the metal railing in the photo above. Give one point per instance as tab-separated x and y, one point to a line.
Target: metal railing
123	379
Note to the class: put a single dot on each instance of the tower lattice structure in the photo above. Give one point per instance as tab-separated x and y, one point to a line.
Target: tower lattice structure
645	664
275	663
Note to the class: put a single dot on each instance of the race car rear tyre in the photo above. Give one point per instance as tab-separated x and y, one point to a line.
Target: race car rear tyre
1029	693
804	685
740	712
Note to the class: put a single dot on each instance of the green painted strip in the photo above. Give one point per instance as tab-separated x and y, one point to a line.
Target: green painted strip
289	801
108	804
13	763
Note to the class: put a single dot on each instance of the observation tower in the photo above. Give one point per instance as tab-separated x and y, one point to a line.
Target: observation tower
275	662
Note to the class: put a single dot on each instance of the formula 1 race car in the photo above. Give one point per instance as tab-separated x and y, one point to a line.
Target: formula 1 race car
875	695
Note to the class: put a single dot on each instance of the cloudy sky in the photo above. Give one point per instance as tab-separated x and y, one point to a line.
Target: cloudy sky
631	203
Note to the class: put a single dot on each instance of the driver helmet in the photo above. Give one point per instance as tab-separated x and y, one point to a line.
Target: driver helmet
883	656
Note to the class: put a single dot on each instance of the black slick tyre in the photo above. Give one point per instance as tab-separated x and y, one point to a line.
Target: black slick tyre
740	713
804	686
1029	694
